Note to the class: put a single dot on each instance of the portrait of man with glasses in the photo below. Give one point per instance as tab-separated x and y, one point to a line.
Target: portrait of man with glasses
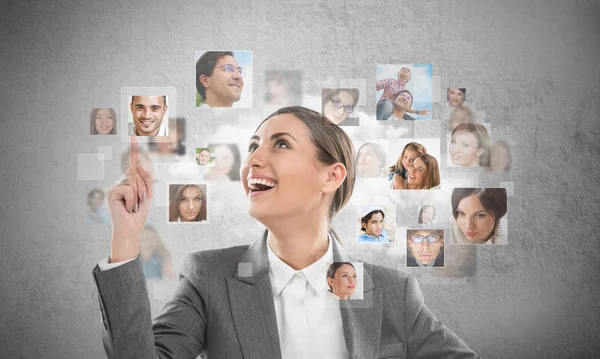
219	79
425	248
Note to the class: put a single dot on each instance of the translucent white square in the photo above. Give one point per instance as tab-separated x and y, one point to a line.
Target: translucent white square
106	151
436	95
245	270
90	166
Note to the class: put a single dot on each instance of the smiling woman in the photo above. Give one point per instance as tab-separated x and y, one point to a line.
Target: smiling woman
103	121
245	301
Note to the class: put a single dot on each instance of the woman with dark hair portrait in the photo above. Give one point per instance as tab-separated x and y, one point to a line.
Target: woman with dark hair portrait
456	97
423	173
470	145
370	161
426	214
337	104
103	121
425	248
187	203
226	164
479	216
244	301
341	279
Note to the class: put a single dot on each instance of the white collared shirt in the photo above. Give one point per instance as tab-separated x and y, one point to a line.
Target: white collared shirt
309	320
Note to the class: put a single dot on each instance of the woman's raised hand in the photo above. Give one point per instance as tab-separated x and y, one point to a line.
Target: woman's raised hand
129	204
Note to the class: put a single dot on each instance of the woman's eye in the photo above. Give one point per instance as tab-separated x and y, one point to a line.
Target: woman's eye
198	198
252	147
460	214
182	199
481	215
279	143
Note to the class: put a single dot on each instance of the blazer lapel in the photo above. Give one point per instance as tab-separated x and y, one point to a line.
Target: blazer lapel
251	302
361	318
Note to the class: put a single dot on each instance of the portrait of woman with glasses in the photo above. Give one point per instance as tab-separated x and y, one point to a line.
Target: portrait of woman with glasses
338	104
425	248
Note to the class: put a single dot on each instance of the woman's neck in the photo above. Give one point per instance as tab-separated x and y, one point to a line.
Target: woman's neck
299	244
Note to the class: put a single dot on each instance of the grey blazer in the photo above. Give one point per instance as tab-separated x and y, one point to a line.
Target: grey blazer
223	307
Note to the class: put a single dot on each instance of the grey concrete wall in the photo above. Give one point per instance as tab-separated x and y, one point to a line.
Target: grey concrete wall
533	68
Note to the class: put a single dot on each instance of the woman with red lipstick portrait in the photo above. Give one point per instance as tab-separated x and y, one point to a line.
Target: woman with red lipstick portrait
479	216
187	203
268	299
425	248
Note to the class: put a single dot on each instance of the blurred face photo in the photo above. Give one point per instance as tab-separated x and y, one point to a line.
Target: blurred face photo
337	107
500	158
368	163
148	243
343	283
464	149
425	246
374	226
224	159
225	85
105	122
456	97
417	174
96	200
148	112
404	74
204	157
190	203
427	215
474	220
282	176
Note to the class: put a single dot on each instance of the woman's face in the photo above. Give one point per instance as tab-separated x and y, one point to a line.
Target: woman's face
341	99
427	215
455	97
204	157
458	116
404	74
464	149
473	219
148	243
190	203
104	121
499	158
417	174
425	252
223	159
343	281
282	176
408	157
368	162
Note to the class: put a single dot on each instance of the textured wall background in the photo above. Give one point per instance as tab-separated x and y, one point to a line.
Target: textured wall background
533	68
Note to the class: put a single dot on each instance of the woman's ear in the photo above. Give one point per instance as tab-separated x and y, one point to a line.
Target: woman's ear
330	282
479	152
336	174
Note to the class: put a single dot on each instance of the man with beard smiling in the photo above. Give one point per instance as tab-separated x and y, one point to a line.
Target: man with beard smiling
219	79
148	113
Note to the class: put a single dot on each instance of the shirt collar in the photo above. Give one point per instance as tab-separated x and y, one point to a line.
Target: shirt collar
280	273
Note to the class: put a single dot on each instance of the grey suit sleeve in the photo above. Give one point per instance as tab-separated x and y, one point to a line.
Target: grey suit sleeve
426	336
179	332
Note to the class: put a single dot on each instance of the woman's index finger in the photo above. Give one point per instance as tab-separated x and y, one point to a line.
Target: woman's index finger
134	152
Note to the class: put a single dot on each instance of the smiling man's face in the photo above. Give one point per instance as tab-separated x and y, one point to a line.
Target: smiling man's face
223	88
